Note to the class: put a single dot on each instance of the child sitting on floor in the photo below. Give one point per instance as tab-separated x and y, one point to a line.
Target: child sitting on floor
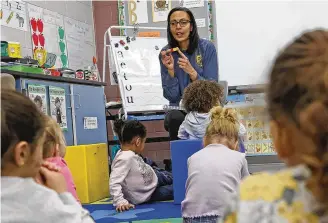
132	181
215	171
54	149
198	99
298	108
22	199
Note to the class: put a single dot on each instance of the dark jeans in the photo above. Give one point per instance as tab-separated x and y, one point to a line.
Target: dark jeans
164	189
172	122
148	161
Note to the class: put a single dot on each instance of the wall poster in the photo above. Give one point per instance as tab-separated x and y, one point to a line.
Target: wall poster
160	10
58	106
37	93
138	12
48	37
13	14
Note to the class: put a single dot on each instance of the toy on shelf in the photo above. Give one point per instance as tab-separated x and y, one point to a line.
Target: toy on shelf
65	72
79	74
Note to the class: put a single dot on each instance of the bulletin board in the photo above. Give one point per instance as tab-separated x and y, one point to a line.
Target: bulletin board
129	10
59	41
55	40
48	37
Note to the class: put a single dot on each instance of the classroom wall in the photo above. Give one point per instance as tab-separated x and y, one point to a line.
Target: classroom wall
199	13
78	10
106	15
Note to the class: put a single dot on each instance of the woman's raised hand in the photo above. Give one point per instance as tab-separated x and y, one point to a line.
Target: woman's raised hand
167	59
186	66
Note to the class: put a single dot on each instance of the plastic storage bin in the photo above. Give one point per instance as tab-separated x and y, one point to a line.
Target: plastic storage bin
4	48
89	167
14	50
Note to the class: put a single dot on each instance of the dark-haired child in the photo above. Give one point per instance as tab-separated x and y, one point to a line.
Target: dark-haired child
132	181
198	99
31	190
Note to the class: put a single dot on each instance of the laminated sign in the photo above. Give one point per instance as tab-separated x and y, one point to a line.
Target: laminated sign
90	123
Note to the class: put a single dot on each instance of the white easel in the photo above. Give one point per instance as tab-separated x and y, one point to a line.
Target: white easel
107	46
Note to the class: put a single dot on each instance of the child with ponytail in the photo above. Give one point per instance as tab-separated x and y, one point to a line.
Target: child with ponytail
132	181
298	106
215	171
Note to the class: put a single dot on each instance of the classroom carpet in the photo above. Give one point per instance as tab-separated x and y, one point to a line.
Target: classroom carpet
159	212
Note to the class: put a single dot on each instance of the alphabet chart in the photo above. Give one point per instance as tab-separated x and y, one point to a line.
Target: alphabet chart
138	72
253	115
13	14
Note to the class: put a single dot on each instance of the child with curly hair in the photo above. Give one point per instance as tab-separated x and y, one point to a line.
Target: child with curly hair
215	171
198	99
298	106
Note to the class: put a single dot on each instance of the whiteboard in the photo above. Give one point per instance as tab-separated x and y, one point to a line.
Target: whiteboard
251	33
139	73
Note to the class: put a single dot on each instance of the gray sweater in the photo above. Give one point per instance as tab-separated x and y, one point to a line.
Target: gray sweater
131	180
213	174
195	124
23	200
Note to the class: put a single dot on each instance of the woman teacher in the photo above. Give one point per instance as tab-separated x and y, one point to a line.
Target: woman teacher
195	59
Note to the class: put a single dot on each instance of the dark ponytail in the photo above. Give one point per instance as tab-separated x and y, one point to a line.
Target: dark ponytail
127	130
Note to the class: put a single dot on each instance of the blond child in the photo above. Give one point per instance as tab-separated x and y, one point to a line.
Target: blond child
7	81
298	106
215	171
54	150
22	199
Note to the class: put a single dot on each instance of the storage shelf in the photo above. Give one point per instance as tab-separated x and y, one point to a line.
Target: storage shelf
52	78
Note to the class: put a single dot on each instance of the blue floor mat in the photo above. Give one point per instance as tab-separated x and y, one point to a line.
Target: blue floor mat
105	213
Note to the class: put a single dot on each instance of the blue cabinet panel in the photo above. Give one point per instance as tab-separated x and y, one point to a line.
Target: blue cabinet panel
23	83
89	101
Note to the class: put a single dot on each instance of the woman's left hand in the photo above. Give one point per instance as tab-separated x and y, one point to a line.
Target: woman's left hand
186	66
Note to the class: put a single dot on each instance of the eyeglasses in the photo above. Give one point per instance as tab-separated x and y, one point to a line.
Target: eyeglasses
182	23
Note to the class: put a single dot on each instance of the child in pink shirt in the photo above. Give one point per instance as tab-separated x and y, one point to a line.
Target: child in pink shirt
54	150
